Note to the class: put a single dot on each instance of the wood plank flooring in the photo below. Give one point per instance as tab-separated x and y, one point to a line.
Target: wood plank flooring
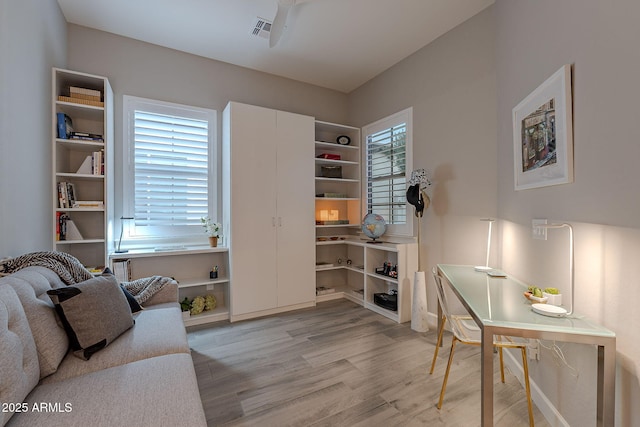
339	364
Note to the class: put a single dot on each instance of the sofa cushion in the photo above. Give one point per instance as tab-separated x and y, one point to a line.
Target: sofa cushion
18	358
31	284
94	313
157	331
160	391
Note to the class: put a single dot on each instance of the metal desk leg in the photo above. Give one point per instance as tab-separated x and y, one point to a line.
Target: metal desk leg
606	384
487	377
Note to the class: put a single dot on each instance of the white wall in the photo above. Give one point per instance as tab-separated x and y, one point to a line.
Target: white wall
150	71
534	38
32	40
451	85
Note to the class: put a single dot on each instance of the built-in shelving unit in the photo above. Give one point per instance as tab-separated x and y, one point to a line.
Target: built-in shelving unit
191	268
85	104
349	268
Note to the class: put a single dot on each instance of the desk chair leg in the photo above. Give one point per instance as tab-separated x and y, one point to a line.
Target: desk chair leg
435	353
446	374
525	367
501	365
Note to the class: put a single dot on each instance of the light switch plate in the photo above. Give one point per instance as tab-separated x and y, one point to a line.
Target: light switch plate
537	232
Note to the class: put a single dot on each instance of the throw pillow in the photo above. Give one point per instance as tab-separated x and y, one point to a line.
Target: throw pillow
133	304
94	313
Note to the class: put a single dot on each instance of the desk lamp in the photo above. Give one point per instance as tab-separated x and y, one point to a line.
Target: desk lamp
559	311
122	220
486	267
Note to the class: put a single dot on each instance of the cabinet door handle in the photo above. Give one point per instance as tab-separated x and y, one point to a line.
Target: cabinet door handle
280	221
273	221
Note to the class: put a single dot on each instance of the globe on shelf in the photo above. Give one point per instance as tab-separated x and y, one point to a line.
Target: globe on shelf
373	226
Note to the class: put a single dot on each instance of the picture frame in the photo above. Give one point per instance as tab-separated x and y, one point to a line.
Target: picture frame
543	134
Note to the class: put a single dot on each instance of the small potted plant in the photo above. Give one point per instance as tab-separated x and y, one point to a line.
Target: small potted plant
185	306
212	229
553	295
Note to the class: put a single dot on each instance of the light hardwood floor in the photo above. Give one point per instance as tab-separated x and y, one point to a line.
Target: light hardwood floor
339	364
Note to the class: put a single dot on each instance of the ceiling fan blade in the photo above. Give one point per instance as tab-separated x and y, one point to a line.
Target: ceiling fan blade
280	21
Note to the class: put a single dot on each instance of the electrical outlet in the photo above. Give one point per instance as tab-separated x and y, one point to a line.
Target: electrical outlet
537	232
210	287
533	349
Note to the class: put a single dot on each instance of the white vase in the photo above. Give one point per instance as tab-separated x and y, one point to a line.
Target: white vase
419	313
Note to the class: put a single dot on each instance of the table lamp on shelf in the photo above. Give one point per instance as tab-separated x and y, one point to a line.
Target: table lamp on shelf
486	267
417	196
122	220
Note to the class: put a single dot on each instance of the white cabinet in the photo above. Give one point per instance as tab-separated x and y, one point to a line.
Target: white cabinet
82	182
268	204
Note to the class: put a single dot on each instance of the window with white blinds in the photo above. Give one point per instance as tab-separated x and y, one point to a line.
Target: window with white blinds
169	180
388	157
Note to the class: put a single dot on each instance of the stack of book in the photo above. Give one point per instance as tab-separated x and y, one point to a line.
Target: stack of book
66	229
86	136
80	95
122	269
66	195
93	164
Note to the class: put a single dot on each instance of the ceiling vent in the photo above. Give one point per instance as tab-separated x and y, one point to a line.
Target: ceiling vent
261	28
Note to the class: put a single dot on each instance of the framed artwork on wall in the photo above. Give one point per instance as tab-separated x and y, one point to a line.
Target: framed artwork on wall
543	134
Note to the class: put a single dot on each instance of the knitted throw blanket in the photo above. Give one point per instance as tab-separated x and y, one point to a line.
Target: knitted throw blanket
71	271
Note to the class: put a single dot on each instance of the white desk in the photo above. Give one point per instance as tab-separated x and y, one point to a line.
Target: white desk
498	307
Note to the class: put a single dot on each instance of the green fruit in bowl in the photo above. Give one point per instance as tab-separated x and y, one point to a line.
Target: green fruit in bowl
552	291
537	292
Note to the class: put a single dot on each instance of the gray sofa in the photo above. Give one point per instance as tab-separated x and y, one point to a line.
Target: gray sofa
144	377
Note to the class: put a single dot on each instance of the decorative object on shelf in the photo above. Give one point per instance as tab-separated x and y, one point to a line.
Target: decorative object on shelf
388	301
329	156
553	295
373	226
388	270
486	267
561	311
331	171
543	134
119	249
212	229
417	196
213	274
343	140
198	304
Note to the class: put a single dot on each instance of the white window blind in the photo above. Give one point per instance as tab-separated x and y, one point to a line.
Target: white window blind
388	150
170	169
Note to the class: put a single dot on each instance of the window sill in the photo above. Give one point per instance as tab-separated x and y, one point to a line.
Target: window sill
170	250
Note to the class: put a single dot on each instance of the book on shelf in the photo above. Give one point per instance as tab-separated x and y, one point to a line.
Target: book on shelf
61	226
85	93
93	164
92	204
332	195
66	194
323	265
323	290
86	136
333	222
64	125
80	101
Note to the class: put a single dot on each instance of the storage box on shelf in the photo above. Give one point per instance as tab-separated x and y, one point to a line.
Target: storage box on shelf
82	182
191	268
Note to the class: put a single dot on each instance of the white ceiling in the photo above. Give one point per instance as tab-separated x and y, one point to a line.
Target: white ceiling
337	44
